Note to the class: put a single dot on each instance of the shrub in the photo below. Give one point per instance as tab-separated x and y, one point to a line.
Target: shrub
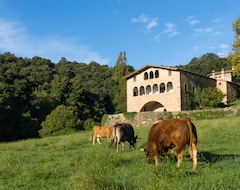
62	119
89	123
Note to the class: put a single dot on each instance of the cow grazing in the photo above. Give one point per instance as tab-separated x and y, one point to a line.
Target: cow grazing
172	134
121	133
101	132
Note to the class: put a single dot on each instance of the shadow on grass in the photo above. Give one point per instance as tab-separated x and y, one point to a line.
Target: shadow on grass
209	157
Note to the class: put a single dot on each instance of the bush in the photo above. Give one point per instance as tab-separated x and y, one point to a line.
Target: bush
89	123
60	121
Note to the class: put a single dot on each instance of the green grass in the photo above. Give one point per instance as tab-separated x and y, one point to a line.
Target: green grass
237	102
72	162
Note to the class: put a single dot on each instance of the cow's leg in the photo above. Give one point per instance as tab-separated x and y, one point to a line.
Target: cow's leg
98	139
194	151
180	157
190	150
117	146
155	157
94	137
123	144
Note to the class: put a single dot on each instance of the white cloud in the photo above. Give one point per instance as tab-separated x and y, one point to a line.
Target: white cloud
195	48
203	30
142	18
156	38
217	20
170	29
152	23
223	46
145	19
15	39
217	33
193	22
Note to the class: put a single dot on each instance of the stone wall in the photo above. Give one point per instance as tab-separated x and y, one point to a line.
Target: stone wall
148	118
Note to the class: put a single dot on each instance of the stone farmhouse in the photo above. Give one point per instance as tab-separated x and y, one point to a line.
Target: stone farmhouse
162	88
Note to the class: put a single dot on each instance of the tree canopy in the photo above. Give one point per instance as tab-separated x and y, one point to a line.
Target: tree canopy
235	54
206	64
39	98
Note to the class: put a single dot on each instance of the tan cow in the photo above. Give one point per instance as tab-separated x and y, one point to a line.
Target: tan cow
172	134
101	132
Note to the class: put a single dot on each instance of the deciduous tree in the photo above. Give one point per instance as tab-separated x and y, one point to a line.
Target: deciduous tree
235	54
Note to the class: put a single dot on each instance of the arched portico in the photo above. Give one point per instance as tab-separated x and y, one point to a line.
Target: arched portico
152	106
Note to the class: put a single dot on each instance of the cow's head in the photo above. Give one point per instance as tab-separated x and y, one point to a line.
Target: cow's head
133	142
147	154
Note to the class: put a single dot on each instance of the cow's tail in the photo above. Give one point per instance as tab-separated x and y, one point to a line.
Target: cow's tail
193	142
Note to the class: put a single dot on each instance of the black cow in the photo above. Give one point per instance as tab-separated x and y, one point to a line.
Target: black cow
123	132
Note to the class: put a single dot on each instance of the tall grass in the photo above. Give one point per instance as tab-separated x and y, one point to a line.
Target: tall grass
72	162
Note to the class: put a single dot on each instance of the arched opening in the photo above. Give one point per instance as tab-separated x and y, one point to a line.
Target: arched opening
142	91
145	76
156	74
152	106
148	90
169	87
162	88
151	75
135	91
155	89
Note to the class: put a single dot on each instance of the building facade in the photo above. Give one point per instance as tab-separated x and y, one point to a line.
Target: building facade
161	88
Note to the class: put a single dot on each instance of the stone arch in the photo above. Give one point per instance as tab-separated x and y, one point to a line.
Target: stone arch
152	106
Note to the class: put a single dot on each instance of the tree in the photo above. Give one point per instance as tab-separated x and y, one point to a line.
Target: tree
207	63
121	69
235	55
60	121
209	97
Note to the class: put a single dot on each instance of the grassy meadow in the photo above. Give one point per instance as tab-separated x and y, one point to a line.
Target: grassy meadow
72	162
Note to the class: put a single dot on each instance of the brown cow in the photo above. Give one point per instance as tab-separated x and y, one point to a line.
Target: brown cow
101	132
172	134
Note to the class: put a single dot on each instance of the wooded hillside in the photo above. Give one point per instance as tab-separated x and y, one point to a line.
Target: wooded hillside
40	98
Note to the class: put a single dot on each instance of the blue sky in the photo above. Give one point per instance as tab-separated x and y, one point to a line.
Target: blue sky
159	32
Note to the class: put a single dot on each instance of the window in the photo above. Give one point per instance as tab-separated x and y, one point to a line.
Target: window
148	90
169	72
135	91
169	87
156	74
145	76
155	89
162	88
151	75
142	91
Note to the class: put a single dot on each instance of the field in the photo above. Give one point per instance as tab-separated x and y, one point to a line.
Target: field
72	162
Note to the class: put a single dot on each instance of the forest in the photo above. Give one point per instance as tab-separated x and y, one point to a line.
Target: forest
39	98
